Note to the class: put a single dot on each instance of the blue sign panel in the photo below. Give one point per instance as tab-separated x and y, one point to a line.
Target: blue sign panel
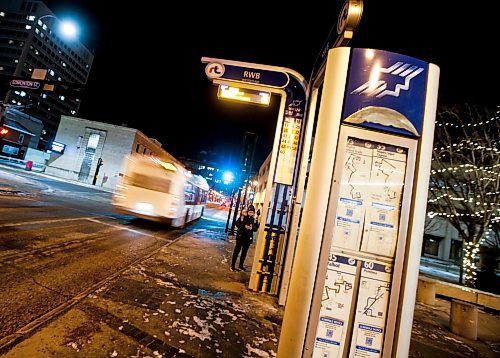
57	147
253	75
386	91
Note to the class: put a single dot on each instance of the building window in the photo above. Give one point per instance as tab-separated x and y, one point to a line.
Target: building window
137	147
456	250
431	244
21	138
93	140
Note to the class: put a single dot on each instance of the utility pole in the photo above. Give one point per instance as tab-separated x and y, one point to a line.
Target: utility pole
247	154
99	164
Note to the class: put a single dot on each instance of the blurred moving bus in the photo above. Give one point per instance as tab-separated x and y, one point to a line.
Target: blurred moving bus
160	190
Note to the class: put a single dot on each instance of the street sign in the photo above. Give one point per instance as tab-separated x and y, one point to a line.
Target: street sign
26	84
57	147
247	74
276	236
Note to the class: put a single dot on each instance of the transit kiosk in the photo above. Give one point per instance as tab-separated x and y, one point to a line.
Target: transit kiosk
354	279
254	83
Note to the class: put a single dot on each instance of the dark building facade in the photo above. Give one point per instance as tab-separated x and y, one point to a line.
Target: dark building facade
17	140
29	39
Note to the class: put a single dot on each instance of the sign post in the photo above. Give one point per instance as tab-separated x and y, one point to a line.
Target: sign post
354	279
276	235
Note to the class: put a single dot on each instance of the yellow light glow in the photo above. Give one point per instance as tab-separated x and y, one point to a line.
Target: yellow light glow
374	77
168	166
369	54
238	94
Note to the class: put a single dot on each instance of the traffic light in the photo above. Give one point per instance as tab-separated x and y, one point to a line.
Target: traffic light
99	162
3	132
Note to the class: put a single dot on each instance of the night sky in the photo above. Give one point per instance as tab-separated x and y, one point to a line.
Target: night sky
147	70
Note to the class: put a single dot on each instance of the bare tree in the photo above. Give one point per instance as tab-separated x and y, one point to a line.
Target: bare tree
465	178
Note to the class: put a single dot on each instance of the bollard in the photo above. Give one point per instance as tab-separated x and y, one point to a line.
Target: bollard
426	292
463	319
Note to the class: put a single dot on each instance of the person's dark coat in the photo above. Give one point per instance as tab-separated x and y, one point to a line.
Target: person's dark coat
244	233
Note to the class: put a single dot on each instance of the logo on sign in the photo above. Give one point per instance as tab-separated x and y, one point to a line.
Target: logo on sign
342	20
214	70
378	86
25	84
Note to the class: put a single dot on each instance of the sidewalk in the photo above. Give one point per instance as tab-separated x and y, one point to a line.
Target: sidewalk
181	302
63	180
184	302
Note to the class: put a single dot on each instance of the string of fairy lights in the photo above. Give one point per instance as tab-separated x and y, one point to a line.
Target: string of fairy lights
457	188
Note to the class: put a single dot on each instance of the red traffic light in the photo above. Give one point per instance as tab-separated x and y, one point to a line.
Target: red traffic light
3	131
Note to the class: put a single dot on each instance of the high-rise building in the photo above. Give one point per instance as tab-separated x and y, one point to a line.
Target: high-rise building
30	37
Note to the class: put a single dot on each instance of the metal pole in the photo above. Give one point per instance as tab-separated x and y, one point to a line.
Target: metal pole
230	209
236	208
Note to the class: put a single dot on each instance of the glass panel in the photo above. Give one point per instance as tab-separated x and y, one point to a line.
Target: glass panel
93	140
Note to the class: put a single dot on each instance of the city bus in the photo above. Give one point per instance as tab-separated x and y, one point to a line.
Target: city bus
160	190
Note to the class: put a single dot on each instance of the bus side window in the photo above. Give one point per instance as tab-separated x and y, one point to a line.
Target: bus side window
189	194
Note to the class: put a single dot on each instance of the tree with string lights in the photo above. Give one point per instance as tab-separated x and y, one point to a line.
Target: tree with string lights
465	180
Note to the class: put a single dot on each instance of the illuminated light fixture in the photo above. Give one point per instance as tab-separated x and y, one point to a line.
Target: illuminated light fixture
168	166
3	131
57	147
69	29
228	176
244	95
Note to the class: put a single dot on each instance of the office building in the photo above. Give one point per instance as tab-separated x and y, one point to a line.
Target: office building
30	38
82	145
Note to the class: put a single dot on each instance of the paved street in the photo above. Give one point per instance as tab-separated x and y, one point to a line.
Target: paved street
58	241
80	280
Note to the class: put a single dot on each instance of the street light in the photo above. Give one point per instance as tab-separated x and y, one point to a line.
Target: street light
67	28
228	177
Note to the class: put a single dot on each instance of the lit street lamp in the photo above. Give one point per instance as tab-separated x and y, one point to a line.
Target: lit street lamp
67	28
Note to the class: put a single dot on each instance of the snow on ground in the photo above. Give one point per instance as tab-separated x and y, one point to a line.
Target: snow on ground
433	271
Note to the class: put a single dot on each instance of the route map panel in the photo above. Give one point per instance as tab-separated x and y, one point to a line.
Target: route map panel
369	203
335	306
371	310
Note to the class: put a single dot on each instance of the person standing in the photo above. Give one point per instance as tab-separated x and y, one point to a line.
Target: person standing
246	227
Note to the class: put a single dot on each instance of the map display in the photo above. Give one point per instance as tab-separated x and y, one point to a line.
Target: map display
370	195
335	306
371	310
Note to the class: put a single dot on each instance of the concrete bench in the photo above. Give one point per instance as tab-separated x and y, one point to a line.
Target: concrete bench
426	290
463	319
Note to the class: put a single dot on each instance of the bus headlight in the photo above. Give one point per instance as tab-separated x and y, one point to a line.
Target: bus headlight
144	207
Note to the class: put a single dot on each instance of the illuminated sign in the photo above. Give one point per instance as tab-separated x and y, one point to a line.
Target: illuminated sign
244	95
289	145
25	84
57	147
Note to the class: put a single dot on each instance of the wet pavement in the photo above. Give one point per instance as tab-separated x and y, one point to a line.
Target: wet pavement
176	298
181	302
